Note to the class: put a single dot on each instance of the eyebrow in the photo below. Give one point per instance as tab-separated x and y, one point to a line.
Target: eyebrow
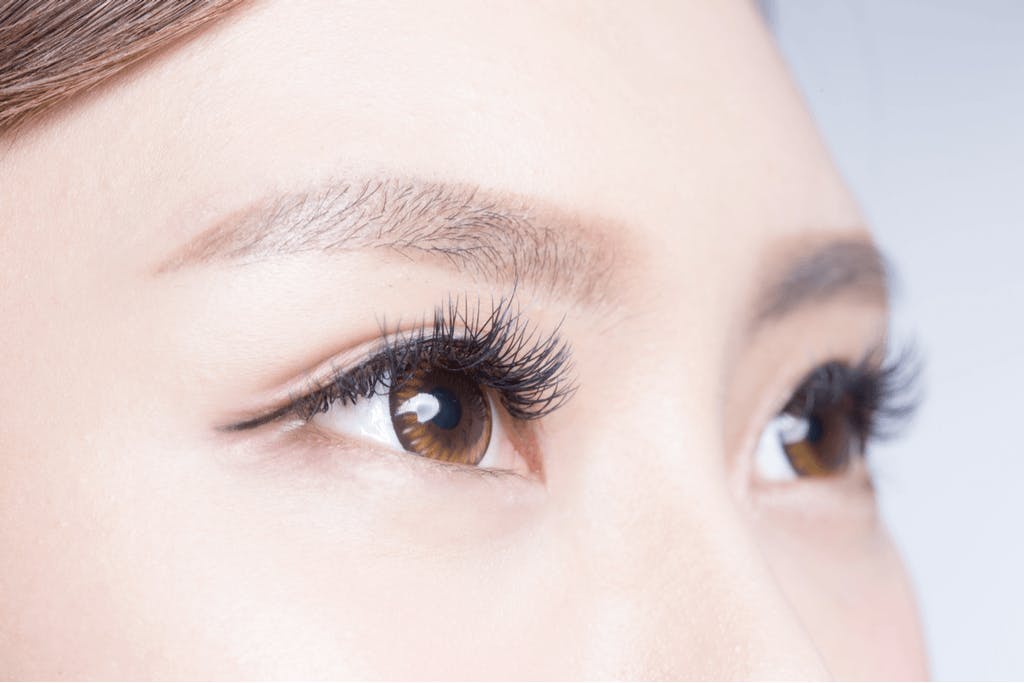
852	267
497	237
490	235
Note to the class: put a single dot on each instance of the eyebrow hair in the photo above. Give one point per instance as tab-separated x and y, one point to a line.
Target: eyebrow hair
489	235
849	266
498	237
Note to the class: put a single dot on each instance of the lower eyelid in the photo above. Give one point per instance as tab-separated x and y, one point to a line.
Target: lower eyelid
313	451
517	352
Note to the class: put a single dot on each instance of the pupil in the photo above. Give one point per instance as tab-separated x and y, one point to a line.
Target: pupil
449	409
815	429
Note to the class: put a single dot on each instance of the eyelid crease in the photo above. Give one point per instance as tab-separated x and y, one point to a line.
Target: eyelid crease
499	349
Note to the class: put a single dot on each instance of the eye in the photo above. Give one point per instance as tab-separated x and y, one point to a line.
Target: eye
444	390
441	415
820	444
833	414
434	413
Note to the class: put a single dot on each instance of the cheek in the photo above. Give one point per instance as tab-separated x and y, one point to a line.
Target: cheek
173	562
852	595
144	560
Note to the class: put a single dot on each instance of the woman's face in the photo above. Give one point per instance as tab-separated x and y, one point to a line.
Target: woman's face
640	255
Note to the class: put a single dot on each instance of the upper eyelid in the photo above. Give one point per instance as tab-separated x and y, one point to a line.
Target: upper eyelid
315	380
495	327
314	384
886	389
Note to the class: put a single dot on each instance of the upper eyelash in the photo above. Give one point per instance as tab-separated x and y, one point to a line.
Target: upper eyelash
496	346
883	397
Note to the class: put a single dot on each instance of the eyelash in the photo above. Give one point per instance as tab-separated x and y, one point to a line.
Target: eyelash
532	374
494	347
881	398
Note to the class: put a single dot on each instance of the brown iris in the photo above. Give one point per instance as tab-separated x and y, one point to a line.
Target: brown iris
441	415
825	444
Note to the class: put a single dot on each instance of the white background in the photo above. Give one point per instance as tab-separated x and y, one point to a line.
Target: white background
922	104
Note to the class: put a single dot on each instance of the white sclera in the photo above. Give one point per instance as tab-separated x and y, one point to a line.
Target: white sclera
770	461
370	419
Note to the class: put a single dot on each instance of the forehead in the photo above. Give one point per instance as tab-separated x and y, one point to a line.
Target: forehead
675	121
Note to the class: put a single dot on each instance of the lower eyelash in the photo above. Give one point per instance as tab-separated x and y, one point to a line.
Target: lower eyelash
494	346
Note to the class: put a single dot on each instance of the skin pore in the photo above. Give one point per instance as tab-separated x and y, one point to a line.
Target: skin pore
194	243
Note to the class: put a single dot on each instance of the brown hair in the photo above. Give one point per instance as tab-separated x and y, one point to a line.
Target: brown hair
51	50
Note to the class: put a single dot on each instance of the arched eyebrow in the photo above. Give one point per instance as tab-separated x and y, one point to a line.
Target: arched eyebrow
851	267
488	235
498	237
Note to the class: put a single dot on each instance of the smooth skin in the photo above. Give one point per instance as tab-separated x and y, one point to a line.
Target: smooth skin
139	541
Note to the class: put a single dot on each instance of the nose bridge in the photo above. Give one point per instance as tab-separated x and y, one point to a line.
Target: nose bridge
669	580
